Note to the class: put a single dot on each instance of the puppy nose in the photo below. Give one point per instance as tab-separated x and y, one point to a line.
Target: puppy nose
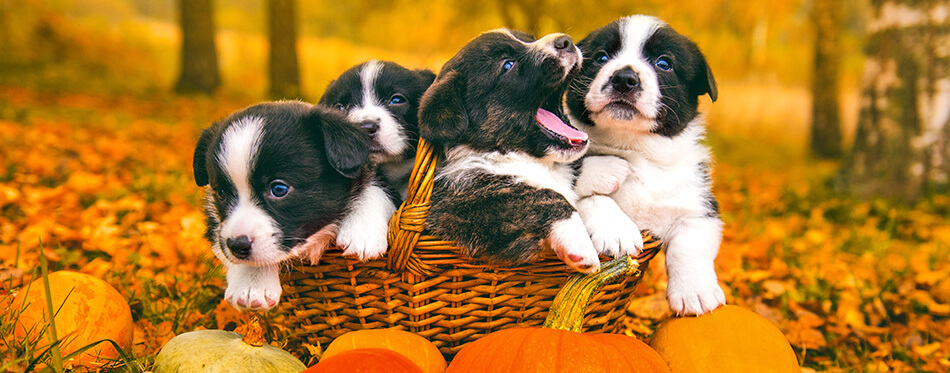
563	42
625	80
371	126
240	246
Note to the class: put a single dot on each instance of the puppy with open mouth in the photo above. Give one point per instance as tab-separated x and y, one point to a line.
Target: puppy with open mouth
287	179
382	97
505	192
637	96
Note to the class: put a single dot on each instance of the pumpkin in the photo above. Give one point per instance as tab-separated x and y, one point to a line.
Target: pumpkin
366	360
223	351
728	339
418	349
559	346
89	310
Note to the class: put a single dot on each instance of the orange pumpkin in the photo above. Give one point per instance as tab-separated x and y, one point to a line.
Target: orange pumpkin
728	339
367	360
418	349
93	311
559	346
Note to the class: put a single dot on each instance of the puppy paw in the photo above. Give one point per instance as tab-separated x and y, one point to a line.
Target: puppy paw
313	248
569	240
610	230
364	244
616	238
363	231
253	288
693	295
601	175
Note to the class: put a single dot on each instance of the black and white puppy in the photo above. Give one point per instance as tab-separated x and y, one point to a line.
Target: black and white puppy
383	98
505	192
287	179
637	97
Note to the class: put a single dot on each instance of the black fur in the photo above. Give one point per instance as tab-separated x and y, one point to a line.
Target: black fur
314	150
473	103
680	88
345	93
498	220
476	104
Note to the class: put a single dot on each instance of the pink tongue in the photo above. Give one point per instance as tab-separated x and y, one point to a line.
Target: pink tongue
554	124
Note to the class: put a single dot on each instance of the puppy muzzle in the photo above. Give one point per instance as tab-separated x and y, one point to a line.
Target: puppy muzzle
562	48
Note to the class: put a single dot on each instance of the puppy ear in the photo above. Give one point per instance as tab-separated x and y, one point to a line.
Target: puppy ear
199	162
704	82
426	76
443	117
323	97
346	146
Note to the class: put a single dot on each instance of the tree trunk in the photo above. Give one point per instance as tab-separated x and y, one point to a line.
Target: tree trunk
902	145
282	23
199	59
827	19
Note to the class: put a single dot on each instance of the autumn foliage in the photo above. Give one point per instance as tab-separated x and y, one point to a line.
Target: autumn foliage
99	181
104	183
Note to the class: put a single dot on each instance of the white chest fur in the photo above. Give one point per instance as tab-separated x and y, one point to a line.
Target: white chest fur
462	160
668	178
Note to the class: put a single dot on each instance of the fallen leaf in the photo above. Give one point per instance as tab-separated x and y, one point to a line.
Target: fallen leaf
653	307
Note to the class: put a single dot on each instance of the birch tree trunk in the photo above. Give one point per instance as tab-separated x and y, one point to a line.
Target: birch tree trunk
902	145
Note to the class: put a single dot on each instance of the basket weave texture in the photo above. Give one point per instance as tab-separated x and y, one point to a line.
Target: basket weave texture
425	285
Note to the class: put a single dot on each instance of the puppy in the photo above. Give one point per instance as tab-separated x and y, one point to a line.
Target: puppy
637	96
383	98
505	193
287	179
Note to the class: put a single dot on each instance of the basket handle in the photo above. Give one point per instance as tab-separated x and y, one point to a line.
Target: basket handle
406	225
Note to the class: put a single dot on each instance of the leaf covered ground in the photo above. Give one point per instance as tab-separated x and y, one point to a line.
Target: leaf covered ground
103	183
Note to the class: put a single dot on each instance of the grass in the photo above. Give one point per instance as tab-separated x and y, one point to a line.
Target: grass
33	354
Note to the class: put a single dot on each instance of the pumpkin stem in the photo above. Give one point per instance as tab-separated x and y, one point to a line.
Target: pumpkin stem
254	335
569	306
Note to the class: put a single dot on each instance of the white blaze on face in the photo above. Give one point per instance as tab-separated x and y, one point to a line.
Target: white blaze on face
390	140
544	47
237	155
634	33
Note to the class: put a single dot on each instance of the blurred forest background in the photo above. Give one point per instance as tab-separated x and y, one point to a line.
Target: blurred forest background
829	237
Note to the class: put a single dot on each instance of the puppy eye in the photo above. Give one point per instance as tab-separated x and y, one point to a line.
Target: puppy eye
397	99
505	67
664	63
278	189
340	107
601	58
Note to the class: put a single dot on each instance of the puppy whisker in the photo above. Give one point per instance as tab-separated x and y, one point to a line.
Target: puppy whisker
667	109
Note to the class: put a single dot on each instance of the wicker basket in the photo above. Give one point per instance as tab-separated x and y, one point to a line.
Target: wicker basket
426	286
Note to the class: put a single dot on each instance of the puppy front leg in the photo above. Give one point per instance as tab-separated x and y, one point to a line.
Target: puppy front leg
601	174
610	230
570	241
313	248
252	288
693	287
363	230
